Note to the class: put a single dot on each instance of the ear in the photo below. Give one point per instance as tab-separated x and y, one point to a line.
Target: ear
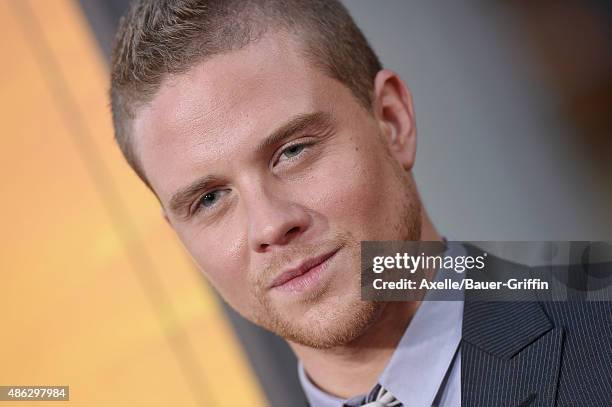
395	115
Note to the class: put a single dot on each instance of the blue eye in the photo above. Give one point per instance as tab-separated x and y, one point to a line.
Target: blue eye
210	198
293	151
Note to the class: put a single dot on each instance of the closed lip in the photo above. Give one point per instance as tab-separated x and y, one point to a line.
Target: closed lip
301	268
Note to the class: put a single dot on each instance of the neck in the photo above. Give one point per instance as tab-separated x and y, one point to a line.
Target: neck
353	368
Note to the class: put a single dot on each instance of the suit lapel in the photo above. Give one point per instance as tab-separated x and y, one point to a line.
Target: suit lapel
510	355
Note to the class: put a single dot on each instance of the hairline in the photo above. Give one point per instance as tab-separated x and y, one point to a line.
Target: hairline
148	95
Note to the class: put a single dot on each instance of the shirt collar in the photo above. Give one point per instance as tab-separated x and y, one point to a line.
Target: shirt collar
415	373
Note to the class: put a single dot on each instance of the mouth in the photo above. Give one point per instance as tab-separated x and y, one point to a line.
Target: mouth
304	274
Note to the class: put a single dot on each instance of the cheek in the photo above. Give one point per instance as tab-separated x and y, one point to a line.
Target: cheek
359	191
222	262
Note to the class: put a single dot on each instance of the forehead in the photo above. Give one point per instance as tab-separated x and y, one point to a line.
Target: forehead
199	119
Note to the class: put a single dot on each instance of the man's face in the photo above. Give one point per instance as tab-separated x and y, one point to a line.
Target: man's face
287	170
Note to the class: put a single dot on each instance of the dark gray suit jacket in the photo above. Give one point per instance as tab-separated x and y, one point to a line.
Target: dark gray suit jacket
536	353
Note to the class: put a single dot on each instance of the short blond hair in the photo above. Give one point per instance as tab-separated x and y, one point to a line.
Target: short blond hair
157	38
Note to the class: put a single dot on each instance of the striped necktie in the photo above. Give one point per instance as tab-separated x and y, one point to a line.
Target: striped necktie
380	397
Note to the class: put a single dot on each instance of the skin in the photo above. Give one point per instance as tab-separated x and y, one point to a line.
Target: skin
267	206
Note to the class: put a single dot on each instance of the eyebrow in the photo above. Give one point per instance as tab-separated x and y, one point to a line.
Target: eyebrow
317	121
179	203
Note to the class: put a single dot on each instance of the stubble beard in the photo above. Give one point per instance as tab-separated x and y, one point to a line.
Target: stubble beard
330	321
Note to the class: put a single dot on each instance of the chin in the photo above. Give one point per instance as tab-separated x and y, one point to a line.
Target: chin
326	325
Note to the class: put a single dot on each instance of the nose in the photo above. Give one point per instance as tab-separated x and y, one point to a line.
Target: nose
274	221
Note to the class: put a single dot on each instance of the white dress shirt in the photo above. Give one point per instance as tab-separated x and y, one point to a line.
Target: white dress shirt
425	368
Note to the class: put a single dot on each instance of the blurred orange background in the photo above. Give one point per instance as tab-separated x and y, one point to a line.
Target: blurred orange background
96	293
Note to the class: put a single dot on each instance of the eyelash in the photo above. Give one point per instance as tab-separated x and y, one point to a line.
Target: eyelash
303	146
199	202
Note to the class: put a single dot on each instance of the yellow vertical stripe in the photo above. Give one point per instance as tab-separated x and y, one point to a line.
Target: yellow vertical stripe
95	289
